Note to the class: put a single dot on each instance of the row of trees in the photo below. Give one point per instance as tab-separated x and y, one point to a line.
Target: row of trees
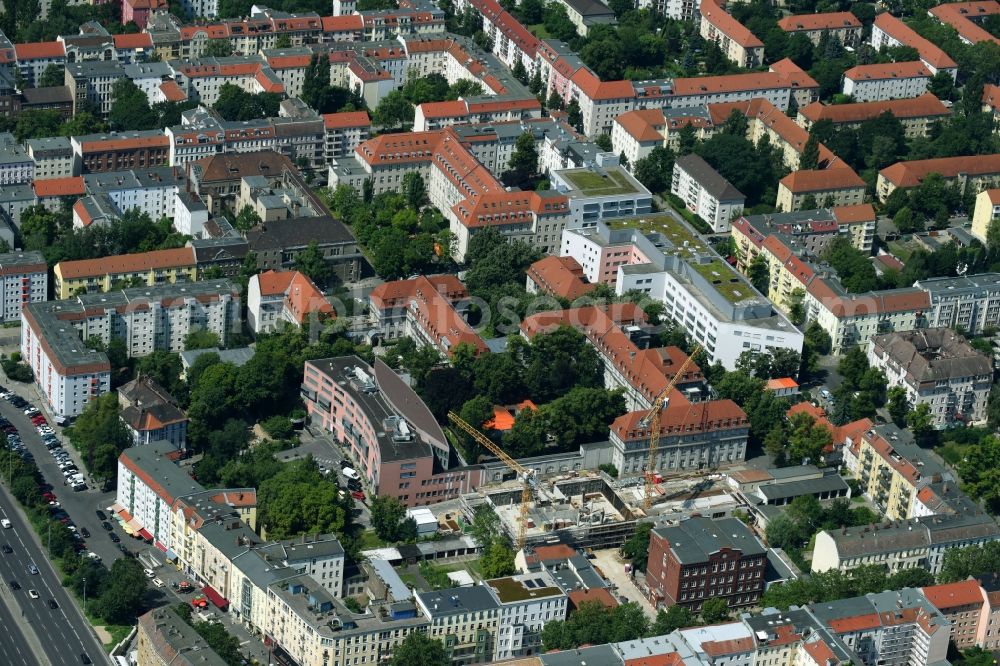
805	516
131	109
52	234
834	584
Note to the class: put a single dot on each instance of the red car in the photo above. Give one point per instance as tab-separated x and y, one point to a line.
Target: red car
49	497
37	418
358	495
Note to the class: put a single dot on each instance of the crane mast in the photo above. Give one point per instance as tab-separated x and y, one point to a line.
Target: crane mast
653	418
527	475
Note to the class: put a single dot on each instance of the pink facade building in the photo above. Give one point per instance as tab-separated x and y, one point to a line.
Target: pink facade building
138	11
388	432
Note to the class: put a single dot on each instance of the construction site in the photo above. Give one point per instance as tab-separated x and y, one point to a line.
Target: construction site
592	510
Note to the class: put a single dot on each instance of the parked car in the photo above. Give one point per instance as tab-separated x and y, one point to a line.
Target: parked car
106	525
114	537
101	515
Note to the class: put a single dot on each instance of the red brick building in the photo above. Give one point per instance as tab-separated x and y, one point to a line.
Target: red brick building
701	559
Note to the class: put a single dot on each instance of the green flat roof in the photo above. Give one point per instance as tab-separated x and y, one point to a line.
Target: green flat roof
595	185
510	590
724	280
673	230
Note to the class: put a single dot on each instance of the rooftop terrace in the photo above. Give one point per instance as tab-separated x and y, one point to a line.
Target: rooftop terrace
674	231
722	277
593	184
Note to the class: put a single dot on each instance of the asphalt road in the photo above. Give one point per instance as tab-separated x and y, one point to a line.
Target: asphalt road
14	648
63	632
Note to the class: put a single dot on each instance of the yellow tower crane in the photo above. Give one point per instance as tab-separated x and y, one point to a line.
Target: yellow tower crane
526	475
653	419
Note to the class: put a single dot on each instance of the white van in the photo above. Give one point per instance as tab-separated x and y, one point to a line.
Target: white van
349	473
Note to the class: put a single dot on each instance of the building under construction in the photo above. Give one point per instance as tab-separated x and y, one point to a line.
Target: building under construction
592	510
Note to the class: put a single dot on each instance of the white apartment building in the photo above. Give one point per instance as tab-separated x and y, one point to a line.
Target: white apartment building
970	302
344	132
69	374
152	190
276	299
527	603
53	156
148	483
702	293
705	192
604	192
93	81
16	166
34	58
679	10
939	368
24	278
873	83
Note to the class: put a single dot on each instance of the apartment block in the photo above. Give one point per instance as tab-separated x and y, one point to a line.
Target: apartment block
872	83
939	368
903	544
701	292
986	211
92	82
966	606
889	31
740	45
641	373
35	57
151	414
465	619
24	278
344	132
16	165
916	114
53	156
971	302
810	229
693	436
844	26
705	192
967	173
471	202
561	277
97	153
69	374
700	559
430	310
826	187
93	276
526	603
163	638
394	441
275	299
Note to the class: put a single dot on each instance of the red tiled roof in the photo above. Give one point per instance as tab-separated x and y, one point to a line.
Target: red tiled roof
953	595
39	50
559	276
172	91
668	659
127	263
731	646
60	187
726	24
821	180
135	40
351	23
904	34
680	417
783	74
926	105
826	21
991	97
781	383
346	119
598	594
854	213
910	174
133	143
289	61
642	124
763	111
432	311
450	109
595	89
889	70
959	15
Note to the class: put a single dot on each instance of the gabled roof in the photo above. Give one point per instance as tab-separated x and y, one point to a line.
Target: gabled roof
136	40
181	257
821	180
926	105
643	125
910	174
825	21
39	50
955	595
889	70
60	187
733	29
904	34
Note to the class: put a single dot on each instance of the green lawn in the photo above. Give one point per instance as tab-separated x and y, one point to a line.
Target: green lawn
369	540
669	227
724	280
902	249
594	184
538	30
953	452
